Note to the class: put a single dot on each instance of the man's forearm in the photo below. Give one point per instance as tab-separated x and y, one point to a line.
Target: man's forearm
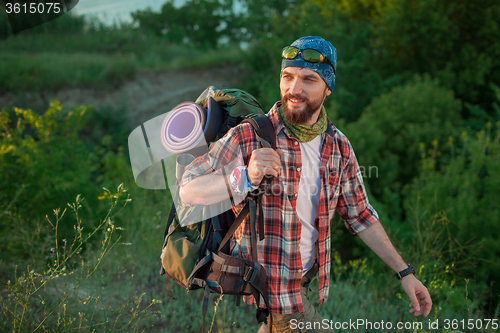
205	190
376	238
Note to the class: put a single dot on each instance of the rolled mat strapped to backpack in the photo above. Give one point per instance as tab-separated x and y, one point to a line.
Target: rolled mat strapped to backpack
187	123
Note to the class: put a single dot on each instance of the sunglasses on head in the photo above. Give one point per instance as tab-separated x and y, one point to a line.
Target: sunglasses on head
309	55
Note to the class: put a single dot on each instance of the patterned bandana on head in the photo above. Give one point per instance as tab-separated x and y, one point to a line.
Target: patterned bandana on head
323	69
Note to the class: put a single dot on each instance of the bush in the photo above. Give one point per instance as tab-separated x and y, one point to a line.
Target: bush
465	191
43	153
43	160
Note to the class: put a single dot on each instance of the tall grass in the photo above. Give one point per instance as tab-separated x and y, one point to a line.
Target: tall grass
65	290
48	71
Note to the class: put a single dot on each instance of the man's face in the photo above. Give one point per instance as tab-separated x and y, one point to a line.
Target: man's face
302	94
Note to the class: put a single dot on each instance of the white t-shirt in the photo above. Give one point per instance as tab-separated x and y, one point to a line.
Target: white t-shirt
308	200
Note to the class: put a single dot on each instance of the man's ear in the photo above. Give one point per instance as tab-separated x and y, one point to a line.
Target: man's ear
327	92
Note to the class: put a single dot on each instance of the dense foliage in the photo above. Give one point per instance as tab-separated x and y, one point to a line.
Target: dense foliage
465	192
393	127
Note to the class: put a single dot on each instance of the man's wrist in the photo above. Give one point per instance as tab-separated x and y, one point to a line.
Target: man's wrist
239	181
405	272
251	187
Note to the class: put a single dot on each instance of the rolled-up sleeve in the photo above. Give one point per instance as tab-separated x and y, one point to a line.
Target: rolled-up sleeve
222	156
353	205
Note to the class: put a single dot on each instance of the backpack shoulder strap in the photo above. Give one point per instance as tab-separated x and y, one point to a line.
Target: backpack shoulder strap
262	126
264	129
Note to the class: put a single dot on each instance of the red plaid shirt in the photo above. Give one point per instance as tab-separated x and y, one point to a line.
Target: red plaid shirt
342	190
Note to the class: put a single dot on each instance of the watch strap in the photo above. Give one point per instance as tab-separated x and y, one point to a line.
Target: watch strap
405	272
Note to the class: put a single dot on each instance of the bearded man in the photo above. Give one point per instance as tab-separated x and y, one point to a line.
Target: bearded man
315	175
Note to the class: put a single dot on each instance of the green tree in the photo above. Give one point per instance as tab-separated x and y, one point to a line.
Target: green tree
392	128
455	41
363	10
200	23
256	19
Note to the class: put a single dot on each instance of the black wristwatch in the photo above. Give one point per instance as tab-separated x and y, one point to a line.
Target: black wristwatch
405	272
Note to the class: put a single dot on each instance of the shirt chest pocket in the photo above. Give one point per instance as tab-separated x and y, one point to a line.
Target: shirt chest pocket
333	188
276	188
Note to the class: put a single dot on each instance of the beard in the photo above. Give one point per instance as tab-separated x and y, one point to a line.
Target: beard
304	114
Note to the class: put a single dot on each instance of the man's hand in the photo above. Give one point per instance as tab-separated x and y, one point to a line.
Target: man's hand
264	161
421	302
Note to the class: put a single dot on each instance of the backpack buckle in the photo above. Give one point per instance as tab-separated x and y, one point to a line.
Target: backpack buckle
249	275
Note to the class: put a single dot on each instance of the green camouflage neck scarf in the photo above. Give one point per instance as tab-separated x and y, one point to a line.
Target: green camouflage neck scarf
305	133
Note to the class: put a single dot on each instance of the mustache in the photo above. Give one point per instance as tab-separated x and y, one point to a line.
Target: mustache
299	97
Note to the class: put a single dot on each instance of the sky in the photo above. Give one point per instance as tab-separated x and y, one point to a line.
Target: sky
110	11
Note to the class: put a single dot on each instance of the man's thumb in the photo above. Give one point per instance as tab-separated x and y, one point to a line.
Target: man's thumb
414	302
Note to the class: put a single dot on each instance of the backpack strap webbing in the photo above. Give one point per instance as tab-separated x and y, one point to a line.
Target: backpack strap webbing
171	215
264	129
168	285
241	216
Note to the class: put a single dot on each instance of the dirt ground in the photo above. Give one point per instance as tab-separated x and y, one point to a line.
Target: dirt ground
149	94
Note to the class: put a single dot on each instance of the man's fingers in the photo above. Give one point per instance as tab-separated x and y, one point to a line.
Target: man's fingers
425	303
415	304
268	154
268	151
264	161
266	157
421	302
271	171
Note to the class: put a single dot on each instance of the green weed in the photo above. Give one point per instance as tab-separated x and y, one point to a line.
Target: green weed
64	295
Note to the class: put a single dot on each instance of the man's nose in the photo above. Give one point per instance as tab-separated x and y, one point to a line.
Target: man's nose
295	87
